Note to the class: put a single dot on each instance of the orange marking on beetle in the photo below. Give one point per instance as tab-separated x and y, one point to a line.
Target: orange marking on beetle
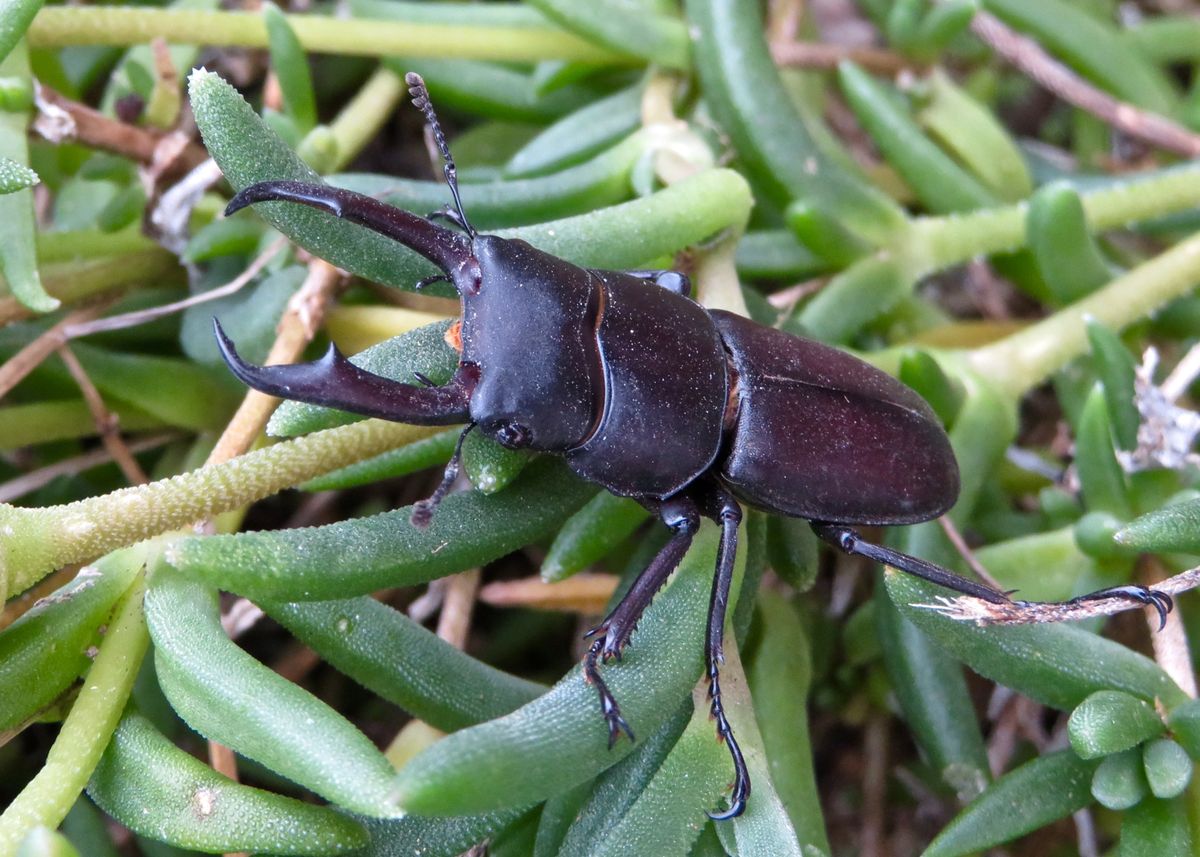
453	336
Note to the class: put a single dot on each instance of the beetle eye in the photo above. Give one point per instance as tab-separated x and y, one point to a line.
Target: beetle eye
513	436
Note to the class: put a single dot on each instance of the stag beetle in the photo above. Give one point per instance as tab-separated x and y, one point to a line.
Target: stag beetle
689	411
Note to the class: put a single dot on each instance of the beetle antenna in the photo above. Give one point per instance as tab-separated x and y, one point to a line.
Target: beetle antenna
420	100
422	513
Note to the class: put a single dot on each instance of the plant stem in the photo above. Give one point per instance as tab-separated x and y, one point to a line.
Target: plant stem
362	117
38	540
1021	361
60	27
934	243
85	733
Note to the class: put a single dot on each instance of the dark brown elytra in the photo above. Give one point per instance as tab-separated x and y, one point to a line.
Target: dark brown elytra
691	412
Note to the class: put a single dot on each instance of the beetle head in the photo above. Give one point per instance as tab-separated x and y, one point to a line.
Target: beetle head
530	328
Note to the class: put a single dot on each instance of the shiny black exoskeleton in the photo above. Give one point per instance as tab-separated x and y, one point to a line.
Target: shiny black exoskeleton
689	411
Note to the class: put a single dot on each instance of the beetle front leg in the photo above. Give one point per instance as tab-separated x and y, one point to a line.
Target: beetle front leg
335	382
612	635
724	509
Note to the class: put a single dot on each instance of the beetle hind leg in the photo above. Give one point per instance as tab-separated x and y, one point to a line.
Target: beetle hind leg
612	635
1160	601
848	540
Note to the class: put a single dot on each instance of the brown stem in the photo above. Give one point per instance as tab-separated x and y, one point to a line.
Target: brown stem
60	118
106	421
824	56
35	479
458	603
1171	650
14	370
1027	56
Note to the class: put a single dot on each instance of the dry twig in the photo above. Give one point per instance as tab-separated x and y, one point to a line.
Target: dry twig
35	479
583	593
60	118
79	328
828	56
106	421
1029	58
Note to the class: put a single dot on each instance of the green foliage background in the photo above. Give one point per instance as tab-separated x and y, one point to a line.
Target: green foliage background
1006	254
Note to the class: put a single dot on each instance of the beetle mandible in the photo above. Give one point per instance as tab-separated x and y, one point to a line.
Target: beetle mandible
689	411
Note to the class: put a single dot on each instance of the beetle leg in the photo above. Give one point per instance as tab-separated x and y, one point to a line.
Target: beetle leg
846	539
673	281
335	382
422	513
849	541
1160	601
728	515
680	514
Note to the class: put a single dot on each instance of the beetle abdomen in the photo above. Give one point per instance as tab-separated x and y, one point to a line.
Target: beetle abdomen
664	391
823	436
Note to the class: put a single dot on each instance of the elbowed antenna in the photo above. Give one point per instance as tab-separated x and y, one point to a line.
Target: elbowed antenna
446	249
420	100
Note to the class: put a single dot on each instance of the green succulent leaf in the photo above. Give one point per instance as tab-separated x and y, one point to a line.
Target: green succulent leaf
1057	665
1168	768
404	663
159	791
606	801
1155	827
15	177
1058	234
33	673
1110	721
1035	794
589	534
1171	528
227	696
1119	782
359	556
487	767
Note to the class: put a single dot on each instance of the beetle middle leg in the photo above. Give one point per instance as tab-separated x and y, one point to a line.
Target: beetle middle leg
724	509
612	635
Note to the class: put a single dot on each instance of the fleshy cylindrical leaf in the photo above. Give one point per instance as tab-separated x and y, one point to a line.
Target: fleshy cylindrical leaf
1168	768
227	696
404	663
588	535
1119	782
1109	721
489	766
1037	793
1172	528
469	529
157	790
